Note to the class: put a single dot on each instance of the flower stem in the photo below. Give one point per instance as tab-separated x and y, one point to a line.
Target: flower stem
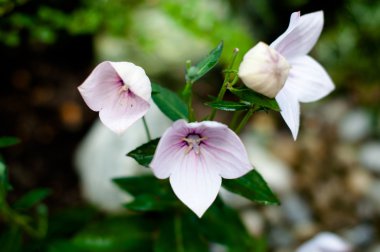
15	219
146	129
178	233
226	82
188	95
234	119
244	120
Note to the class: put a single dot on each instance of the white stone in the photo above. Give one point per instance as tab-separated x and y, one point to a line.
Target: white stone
325	242
355	125
369	156
275	172
101	156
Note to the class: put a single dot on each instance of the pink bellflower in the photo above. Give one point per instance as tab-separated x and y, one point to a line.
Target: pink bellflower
305	80
120	91
196	156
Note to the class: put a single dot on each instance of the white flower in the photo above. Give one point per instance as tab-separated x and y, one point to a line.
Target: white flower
120	91
196	156
306	81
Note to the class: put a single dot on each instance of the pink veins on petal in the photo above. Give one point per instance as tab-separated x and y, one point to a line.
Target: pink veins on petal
120	91
196	156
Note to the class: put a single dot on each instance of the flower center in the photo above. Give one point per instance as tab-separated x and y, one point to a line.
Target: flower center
193	142
123	88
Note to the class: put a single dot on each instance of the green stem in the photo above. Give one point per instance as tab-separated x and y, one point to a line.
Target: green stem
23	221
188	95
178	233
234	119
244	120
146	129
226	82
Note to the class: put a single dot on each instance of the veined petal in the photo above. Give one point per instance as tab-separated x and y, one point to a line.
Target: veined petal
135	78
120	91
194	183
301	35
170	150
308	80
125	109
225	153
195	156
290	110
101	86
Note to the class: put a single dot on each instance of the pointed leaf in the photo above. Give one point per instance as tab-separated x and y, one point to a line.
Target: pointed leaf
150	202
229	105
146	184
204	66
151	194
31	198
144	153
169	102
8	141
132	233
252	186
263	102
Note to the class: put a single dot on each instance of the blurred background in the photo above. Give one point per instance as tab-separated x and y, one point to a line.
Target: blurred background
328	180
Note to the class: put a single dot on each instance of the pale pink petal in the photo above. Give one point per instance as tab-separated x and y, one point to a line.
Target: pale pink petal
301	35
194	183
290	110
308	80
195	170
294	17
225	153
135	78
101	87
125	109
170	150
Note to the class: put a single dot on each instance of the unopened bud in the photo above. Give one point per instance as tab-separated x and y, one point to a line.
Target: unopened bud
264	70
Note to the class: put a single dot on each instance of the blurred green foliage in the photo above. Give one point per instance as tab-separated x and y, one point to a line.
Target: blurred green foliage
350	48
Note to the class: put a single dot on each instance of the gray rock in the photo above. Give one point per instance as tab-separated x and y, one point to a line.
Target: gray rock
355	125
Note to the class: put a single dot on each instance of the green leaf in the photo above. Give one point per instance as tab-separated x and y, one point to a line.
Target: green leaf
8	141
222	224
252	186
263	102
3	171
31	198
179	233
132	233
169	103
204	66
149	202
4	182
151	194
228	105
144	153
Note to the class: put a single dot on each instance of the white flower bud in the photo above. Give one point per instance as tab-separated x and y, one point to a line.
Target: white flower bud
264	70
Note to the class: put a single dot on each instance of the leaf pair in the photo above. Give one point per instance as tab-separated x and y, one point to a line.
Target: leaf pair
248	100
169	102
